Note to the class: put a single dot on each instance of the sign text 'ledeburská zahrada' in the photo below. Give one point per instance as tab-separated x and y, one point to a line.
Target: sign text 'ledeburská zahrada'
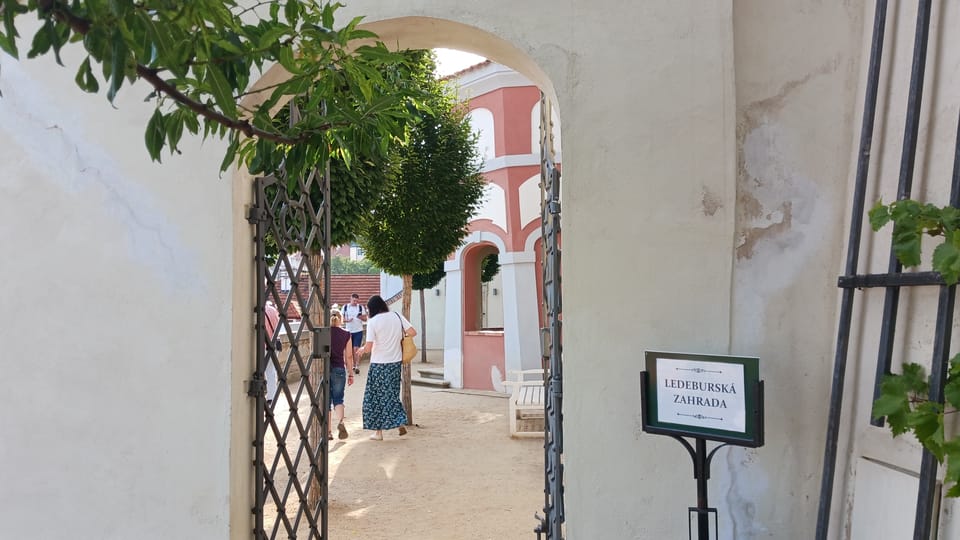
709	396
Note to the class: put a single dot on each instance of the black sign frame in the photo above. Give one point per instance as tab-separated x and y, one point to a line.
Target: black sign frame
751	437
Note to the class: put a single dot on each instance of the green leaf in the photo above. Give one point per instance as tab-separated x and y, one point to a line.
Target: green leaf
906	243
914	379
41	40
951	449
291	12
8	39
327	15
231	153
288	60
154	136
85	78
927	422
951	390
174	126
946	258
889	403
221	90
118	65
272	36
162	40
879	216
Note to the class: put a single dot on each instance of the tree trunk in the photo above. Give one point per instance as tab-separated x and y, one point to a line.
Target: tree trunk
406	370
423	330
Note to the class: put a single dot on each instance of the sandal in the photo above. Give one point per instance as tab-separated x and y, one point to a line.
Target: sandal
342	431
402	430
376	437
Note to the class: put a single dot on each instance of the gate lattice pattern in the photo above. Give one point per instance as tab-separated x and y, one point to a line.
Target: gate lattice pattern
291	391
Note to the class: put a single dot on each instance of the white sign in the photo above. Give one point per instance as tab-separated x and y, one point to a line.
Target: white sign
702	394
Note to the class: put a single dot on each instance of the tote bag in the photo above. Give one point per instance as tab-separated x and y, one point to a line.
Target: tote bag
407	344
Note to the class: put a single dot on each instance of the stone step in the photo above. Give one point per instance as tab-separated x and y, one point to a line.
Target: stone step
431	372
425	381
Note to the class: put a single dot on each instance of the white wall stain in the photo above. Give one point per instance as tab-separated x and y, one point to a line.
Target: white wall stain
782	223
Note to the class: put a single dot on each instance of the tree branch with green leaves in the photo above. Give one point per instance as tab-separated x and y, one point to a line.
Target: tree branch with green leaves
200	58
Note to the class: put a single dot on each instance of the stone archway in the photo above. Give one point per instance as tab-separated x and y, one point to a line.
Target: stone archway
423	32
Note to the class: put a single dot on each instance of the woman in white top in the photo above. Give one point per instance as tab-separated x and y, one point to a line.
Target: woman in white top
382	408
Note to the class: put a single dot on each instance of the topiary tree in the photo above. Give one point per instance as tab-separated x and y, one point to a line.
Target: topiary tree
423	215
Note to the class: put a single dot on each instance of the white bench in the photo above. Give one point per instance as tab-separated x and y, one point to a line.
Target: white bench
526	410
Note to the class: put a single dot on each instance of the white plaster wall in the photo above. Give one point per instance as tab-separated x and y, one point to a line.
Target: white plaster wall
435	309
119	272
520	306
453	326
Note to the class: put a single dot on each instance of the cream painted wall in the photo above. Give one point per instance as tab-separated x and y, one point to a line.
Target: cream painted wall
795	108
116	335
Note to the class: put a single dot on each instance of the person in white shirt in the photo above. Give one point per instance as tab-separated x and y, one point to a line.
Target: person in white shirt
353	317
382	408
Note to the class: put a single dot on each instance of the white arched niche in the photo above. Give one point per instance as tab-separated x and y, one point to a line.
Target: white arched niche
481	122
493	206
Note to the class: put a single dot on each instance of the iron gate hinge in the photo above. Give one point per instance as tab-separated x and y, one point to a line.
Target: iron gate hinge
553	207
556	386
257	386
256	215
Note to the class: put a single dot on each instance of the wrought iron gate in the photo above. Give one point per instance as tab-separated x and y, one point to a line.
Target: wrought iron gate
291	219
551	524
894	279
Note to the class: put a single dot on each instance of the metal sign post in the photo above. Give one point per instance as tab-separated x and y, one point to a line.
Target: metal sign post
706	397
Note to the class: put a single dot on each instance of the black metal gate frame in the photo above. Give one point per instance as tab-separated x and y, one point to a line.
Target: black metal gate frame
894	279
551	524
295	481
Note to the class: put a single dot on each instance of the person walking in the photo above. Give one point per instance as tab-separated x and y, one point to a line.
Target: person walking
271	321
341	373
354	317
382	408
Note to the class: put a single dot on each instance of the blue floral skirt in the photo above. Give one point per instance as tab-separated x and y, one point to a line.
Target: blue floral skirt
382	408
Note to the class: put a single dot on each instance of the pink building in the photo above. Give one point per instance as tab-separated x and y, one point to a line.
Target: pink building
494	328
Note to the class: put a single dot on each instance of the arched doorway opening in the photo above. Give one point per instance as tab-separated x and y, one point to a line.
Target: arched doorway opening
519	272
483	352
